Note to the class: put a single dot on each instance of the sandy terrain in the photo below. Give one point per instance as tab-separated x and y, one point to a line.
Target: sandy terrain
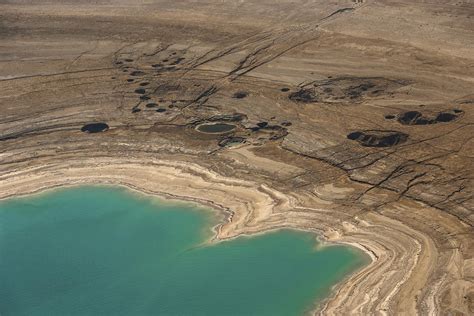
351	119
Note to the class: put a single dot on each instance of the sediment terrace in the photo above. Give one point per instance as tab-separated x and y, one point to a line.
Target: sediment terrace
336	118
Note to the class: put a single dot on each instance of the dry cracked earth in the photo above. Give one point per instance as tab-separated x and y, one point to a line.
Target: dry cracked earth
362	108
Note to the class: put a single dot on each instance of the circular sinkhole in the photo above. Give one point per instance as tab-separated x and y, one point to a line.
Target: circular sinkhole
240	95
95	128
215	128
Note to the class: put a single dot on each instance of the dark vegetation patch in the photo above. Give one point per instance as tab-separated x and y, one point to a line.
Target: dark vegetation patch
136	110
130	80
161	110
286	123
376	138
240	95
144	84
95	128
118	62
128	60
389	116
418	118
151	105
144	98
285	89
140	91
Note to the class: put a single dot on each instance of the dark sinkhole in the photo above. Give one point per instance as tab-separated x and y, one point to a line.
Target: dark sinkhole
215	128
95	127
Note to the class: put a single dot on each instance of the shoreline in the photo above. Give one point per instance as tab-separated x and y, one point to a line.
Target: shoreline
221	232
225	214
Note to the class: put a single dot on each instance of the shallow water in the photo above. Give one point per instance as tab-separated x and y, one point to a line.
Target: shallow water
98	250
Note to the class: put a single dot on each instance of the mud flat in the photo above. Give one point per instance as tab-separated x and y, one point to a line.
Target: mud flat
361	140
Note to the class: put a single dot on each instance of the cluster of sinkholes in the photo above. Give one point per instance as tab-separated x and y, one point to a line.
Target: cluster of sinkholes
353	89
148	103
228	129
168	61
344	89
235	129
418	118
146	99
378	138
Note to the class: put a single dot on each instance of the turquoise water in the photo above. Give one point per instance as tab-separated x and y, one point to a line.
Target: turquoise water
98	250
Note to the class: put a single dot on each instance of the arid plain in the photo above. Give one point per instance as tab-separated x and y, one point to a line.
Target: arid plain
352	119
